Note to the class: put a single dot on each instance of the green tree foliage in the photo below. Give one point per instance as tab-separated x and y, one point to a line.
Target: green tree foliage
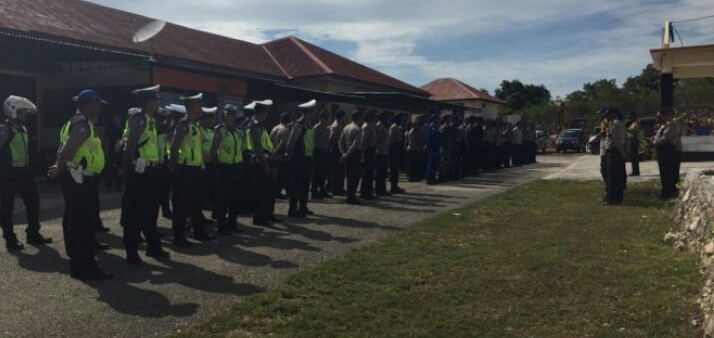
519	96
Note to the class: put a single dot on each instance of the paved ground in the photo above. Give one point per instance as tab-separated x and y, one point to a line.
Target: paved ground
159	298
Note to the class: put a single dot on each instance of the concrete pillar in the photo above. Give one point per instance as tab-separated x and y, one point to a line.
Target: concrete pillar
667	91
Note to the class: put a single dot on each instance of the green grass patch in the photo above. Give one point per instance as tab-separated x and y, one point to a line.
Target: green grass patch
546	260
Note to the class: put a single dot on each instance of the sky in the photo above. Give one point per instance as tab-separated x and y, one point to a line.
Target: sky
558	43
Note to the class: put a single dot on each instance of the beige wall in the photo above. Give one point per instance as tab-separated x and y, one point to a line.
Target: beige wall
486	109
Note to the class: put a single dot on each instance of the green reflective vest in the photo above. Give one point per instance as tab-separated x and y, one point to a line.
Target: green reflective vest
206	140
90	154
163	143
18	149
308	140
230	148
190	153
148	144
264	140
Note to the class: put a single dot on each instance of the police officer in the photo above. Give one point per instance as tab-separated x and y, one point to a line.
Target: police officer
665	141
300	150
321	165
416	139
186	160
433	144
164	124
79	162
615	152
279	137
227	151
396	152
382	154
16	175
369	151
351	149
336	181
207	125
633	141
261	171
140	167
449	148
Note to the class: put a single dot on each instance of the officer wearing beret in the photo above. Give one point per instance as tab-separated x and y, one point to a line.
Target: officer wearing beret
140	167
16	175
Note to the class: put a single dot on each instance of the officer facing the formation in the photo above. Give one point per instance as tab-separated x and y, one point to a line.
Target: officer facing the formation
79	162
615	152
186	160
300	148
396	152
321	166
351	148
140	168
16	175
227	151
665	142
261	148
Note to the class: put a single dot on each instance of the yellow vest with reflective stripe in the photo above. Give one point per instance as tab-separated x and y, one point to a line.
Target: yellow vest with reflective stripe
309	141
190	153
206	140
148	144
264	141
90	154
18	149
230	148
163	143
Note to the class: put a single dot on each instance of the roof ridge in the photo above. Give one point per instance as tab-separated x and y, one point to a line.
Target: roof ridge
312	56
272	57
466	87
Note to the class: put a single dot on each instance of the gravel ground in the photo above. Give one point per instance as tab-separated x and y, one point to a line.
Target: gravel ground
163	297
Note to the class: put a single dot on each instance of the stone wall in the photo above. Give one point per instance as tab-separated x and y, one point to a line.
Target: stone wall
695	231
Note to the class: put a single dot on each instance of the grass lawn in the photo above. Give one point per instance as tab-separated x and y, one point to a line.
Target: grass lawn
546	260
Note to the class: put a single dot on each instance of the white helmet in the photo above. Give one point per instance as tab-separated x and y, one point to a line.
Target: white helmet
13	104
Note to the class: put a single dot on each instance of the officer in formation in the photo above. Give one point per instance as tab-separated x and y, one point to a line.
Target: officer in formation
299	154
263	163
336	179
396	152
615	143
382	154
416	150
666	140
322	165
16	175
369	151
227	151
350	145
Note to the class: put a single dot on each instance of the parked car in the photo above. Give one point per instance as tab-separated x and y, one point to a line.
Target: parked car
541	140
594	142
571	139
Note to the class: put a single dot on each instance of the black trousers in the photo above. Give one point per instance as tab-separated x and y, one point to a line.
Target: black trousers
416	167
367	187
187	188
677	165
635	156
320	169
336	179
381	163
79	222
228	194
262	193
209	187
615	176
164	186
19	182
299	183
490	161
668	172
354	171
517	154
140	207
396	158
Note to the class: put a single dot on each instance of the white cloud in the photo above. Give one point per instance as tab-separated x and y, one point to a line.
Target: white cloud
388	34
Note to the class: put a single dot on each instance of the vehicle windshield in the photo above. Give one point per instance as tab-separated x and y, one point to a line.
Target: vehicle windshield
570	134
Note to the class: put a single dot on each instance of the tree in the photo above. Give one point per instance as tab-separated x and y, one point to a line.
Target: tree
519	96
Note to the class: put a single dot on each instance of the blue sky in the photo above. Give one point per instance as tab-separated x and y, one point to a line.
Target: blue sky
558	43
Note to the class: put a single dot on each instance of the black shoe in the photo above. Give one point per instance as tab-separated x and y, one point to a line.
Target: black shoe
274	219
224	232
233	227
295	214
97	274
134	258
157	253
317	197
339	193
368	197
37	239
262	222
306	212
14	245
168	215
102	228
326	195
383	194
635	174
182	242
281	197
101	246
353	201
203	236
397	191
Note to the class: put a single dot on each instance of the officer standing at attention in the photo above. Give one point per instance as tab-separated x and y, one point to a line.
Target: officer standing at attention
300	149
186	160
382	157
665	142
164	123
80	160
416	140
227	150
140	167
258	142
336	181
207	125
396	152
633	142
369	151
433	144
321	166
16	175
604	126
351	148
615	152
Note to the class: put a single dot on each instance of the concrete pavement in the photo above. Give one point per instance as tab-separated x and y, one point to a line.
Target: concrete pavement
164	297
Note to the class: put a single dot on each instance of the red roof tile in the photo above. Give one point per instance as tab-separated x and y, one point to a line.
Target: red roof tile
448	89
300	59
84	21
